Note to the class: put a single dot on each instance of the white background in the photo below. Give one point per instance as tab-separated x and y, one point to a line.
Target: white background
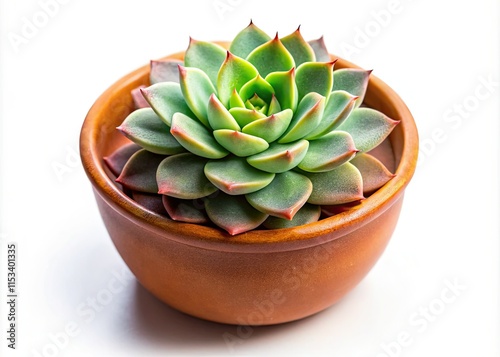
436	54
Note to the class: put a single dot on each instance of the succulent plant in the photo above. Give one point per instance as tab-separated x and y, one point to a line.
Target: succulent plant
265	133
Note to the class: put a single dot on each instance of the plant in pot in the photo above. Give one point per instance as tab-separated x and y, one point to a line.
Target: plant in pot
250	174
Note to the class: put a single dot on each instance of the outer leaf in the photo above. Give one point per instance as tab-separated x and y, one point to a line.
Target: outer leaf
352	80
152	202
196	88
368	127
164	71
340	104
280	157
138	98
233	213
233	74
139	173
166	99
235	176
306	118
300	50
270	57
245	116
184	210
219	117
195	137
374	173
270	128
257	86
320	50
117	160
285	88
328	152
146	129
315	77
307	214
247	40
284	196
182	176
239	143
206	56
336	209
340	185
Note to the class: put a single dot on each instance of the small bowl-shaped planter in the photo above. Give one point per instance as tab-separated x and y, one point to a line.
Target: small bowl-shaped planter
261	277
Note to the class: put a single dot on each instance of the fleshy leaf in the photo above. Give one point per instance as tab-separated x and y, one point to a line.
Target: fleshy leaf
284	196
259	86
300	50
235	100
139	173
233	213
332	210
352	80
206	56
245	116
117	160
280	157
219	117
182	176
270	57
195	137
315	77
152	202
274	106
270	128
307	214
341	185
247	40
146	129
185	210
240	144
328	152
196	88
368	127
164	71
233	74
138	98
285	88
235	176
166	99
256	103
320	50
306	118
374	173
338	107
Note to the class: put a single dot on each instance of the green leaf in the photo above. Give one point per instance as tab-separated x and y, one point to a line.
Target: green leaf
300	50
166	99
270	128
235	100
247	40
235	176
185	210
164	71
233	74
320	50
139	173
306	118
315	77
368	127
233	213
352	80
280	157
146	129
117	160
307	214
240	144
270	57
340	104
374	173
182	176
257	86
341	185
284	196
245	116
328	152
195	137
206	56
274	106
219	117
285	88
196	88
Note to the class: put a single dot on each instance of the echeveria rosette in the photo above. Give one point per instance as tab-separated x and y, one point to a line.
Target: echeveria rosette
265	133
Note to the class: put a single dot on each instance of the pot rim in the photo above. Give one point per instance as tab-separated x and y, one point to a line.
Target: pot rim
206	237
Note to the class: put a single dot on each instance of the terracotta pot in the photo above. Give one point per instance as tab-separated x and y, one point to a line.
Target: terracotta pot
260	277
